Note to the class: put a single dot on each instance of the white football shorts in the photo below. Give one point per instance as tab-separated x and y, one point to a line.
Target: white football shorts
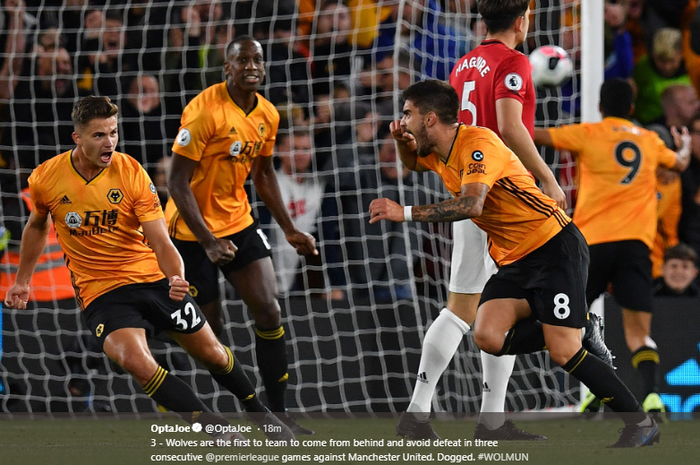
471	263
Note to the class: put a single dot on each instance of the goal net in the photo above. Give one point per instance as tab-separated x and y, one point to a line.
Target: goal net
355	316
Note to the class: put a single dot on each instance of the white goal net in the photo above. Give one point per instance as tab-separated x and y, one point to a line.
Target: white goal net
354	317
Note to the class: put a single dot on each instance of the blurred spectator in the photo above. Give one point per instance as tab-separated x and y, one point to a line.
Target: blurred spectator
302	194
356	156
377	85
668	189
366	17
51	281
619	56
666	13
13	42
331	128
196	45
689	225
680	105
391	77
49	38
40	101
260	19
635	26
213	54
287	75
678	273
435	45
145	134
657	71
646	17
182	80
461	17
106	66
159	174
331	53
383	244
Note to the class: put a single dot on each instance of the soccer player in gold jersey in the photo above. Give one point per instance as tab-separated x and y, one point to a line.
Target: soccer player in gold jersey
128	276
228	132
616	211
537	297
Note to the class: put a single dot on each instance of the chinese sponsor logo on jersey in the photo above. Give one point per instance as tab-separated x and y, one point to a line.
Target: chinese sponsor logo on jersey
98	222
244	152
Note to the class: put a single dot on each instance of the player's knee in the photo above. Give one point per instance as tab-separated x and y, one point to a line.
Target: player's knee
562	353
488	340
214	358
140	365
267	316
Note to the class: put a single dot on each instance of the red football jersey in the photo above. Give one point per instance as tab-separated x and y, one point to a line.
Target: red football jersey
490	72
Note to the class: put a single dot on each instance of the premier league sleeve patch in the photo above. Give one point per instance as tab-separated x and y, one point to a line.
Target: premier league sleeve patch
183	137
514	82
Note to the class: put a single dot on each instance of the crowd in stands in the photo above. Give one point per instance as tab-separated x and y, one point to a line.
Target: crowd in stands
335	68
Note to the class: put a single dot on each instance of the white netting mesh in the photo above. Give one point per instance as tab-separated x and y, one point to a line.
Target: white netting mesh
358	352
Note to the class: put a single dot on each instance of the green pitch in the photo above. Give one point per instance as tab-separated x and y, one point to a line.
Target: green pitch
365	440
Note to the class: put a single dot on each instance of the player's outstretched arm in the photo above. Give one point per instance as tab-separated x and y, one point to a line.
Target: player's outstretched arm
468	205
406	146
681	139
266	185
31	248
219	251
169	258
517	138
542	137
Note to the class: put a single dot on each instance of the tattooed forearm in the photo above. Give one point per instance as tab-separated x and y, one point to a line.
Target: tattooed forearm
450	210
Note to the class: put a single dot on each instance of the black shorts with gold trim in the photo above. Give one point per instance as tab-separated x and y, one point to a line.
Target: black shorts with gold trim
203	275
551	278
626	266
142	305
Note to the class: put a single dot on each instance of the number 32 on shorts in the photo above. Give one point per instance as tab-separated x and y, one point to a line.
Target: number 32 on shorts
561	306
189	311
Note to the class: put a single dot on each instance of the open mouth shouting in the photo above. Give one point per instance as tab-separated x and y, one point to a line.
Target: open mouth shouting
106	157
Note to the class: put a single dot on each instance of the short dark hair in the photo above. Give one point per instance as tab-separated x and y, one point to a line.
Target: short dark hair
238	40
681	252
293	133
500	15
616	98
436	96
92	107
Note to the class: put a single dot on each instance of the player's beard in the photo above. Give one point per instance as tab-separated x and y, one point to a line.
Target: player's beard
425	145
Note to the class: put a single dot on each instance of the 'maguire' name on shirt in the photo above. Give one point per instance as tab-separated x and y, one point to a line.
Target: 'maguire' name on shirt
479	63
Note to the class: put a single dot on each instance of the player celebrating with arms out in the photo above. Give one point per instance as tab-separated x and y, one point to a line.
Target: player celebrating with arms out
616	211
126	271
537	297
227	132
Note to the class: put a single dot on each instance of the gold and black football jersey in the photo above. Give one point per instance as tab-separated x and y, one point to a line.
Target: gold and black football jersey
224	140
98	222
517	217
